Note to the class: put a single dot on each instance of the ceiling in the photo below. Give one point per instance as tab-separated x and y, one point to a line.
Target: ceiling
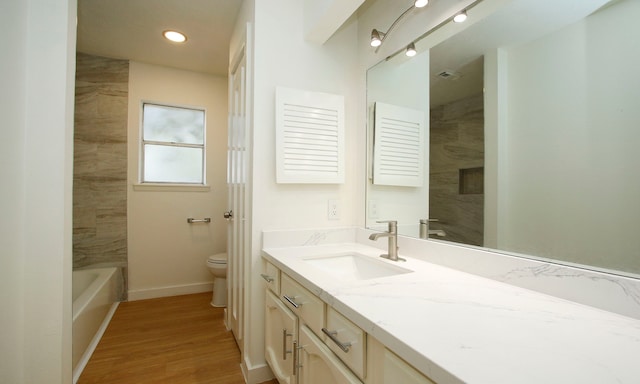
132	29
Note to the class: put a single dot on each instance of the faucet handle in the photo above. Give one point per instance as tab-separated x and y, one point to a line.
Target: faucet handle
393	225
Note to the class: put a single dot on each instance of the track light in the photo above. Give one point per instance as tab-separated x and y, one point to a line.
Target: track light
376	38
460	17
411	50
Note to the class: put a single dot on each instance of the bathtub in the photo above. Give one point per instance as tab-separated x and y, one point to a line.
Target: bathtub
95	295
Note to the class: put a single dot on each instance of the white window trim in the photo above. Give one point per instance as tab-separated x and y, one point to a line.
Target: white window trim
171	187
142	185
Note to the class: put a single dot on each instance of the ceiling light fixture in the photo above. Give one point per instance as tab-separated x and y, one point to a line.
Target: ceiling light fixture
376	38
460	17
174	36
411	50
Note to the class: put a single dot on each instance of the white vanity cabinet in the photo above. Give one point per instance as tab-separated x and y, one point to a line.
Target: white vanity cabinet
308	342
347	341
271	277
385	367
281	335
307	306
295	344
318	365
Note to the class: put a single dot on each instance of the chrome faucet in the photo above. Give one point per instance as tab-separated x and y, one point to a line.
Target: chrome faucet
392	235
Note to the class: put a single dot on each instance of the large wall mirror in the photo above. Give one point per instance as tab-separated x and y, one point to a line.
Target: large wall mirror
532	133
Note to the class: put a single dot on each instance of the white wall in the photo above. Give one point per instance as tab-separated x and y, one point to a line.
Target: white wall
585	184
37	76
13	18
166	254
400	81
397	203
283	58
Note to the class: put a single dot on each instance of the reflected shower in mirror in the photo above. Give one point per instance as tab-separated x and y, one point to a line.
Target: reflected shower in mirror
532	139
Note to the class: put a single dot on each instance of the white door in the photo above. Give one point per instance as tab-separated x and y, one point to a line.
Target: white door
237	163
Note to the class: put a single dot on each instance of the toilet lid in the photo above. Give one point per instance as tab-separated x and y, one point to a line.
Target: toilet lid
220	258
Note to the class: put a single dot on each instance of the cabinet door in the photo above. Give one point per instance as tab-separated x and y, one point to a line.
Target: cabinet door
318	364
281	330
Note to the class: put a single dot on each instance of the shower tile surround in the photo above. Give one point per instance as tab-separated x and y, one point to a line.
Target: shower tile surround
456	142
100	163
497	323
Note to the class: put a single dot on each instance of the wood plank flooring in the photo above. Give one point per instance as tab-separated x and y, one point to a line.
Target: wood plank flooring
177	340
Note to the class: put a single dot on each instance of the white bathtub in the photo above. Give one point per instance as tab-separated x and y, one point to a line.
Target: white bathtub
95	299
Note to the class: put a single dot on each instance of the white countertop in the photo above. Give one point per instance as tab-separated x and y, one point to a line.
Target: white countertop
457	327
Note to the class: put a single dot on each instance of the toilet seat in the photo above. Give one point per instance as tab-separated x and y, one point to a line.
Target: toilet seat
220	258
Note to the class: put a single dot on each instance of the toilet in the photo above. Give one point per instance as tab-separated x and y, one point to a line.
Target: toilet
217	265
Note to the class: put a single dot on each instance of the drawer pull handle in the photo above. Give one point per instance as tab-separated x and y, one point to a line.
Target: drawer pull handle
268	278
292	301
284	343
332	336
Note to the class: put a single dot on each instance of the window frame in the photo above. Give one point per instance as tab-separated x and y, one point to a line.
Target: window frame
142	143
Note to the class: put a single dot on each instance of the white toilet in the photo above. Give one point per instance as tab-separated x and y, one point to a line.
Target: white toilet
217	265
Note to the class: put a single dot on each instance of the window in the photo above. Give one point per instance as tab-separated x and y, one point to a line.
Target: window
172	144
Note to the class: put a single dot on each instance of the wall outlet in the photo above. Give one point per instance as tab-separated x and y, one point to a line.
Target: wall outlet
333	209
373	209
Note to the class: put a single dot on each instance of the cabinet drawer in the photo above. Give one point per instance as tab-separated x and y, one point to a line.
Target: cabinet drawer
347	341
271	277
318	364
308	307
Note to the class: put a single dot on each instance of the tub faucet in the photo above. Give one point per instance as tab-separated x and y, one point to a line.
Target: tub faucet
392	235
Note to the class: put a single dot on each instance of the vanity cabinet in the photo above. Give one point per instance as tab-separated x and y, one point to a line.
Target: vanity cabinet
307	342
307	306
271	277
397	370
281	333
386	367
318	365
347	341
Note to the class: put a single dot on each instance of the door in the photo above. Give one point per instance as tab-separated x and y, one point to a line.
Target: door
237	164
318	364
281	331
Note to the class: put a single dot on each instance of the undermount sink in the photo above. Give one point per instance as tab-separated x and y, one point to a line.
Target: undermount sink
355	266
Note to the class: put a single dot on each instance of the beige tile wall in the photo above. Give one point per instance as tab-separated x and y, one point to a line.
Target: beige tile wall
456	142
100	162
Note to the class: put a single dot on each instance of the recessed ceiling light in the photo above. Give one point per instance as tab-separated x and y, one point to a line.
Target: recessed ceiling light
174	36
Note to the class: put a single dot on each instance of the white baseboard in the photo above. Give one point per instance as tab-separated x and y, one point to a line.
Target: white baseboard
94	343
256	374
172	290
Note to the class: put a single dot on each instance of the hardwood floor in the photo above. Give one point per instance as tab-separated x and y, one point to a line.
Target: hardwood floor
178	340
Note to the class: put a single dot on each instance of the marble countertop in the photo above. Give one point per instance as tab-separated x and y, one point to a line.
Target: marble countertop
457	327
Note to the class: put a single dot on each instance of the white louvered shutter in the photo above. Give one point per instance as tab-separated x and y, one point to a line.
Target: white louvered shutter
399	146
309	137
